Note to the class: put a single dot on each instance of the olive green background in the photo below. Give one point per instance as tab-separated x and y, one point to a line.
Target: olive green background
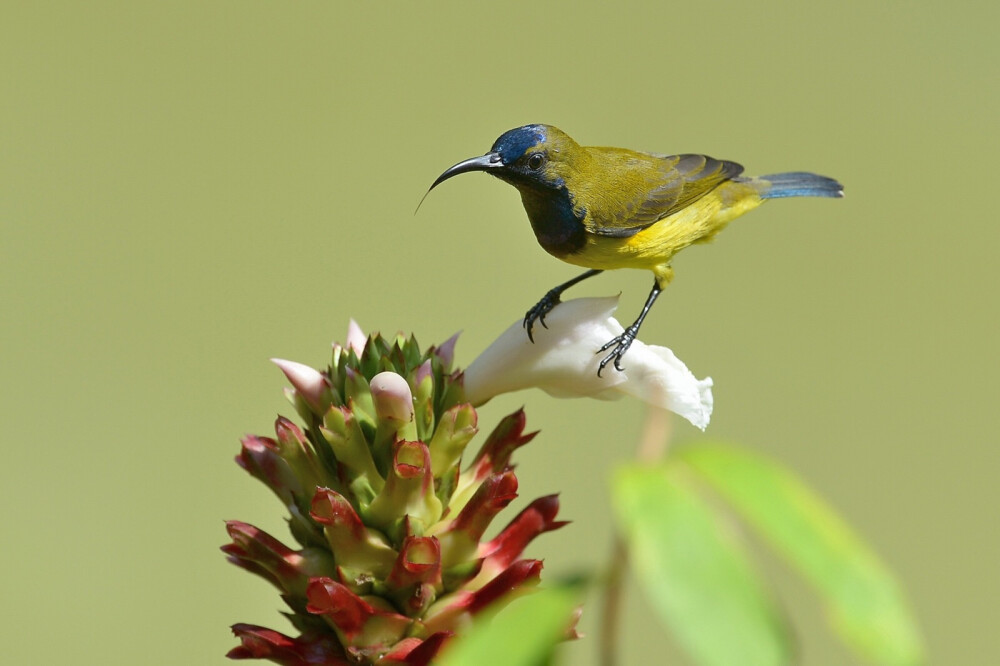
190	188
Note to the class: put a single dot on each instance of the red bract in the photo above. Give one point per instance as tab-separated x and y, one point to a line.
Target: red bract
537	518
495	493
501	444
458	609
331	508
260	643
260	456
257	551
417	652
419	561
351	615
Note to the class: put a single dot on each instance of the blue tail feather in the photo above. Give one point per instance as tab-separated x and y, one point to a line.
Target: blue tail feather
799	184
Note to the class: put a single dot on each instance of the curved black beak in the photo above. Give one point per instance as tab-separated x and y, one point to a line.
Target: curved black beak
483	163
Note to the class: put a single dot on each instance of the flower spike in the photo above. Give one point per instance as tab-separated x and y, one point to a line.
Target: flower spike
392	562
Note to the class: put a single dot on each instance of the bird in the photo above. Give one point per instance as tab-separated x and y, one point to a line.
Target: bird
604	208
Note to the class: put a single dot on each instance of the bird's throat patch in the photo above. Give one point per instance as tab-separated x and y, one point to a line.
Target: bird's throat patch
557	226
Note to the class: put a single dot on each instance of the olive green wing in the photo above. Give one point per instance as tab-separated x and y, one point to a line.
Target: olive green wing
668	184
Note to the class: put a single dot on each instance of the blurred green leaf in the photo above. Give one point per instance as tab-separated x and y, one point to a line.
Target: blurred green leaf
864	601
522	634
694	570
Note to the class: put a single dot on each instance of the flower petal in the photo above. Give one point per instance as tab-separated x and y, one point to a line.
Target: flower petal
659	378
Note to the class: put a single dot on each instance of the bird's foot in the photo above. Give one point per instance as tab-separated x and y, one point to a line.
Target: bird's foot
540	309
618	345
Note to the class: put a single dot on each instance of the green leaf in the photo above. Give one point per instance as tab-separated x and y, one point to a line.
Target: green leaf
864	602
694	570
522	634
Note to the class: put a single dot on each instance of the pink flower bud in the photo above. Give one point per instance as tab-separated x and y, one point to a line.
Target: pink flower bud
392	397
446	350
356	338
308	382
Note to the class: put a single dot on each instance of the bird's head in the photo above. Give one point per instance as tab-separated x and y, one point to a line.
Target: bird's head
531	157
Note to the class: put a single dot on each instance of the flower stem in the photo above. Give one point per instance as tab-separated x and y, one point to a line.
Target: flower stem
611	610
653	446
655	440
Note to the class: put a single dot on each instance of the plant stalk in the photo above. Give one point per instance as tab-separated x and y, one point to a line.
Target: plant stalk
653	446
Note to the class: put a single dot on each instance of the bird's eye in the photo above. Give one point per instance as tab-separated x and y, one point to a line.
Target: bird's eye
535	161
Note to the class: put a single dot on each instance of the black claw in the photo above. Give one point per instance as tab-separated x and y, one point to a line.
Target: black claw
549	301
621	344
538	312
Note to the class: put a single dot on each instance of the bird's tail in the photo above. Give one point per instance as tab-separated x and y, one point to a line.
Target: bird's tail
798	184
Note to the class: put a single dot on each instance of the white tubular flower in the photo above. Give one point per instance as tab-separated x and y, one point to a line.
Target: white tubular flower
563	362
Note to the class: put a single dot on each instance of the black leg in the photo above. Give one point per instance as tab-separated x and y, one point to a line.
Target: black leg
550	300
628	336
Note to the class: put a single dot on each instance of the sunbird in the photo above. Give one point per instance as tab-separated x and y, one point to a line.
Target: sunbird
606	208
